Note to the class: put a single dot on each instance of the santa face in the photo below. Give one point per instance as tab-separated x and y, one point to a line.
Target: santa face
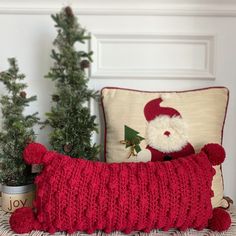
167	134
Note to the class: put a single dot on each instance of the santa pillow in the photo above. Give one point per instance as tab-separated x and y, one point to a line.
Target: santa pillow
158	126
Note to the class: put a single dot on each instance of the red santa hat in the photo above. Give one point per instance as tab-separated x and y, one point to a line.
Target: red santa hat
152	109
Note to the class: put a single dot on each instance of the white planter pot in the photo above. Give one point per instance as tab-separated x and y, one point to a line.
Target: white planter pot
14	197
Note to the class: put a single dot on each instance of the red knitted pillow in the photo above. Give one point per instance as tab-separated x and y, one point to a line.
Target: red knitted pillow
79	195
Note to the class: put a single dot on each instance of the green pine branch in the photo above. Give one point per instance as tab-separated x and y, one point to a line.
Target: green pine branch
70	119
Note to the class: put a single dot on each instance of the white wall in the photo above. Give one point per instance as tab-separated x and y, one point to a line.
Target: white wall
201	35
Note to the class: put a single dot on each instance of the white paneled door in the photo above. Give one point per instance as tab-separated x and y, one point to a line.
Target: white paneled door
146	45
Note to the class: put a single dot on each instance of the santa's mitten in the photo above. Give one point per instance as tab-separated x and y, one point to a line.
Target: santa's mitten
215	153
144	156
36	153
23	220
220	220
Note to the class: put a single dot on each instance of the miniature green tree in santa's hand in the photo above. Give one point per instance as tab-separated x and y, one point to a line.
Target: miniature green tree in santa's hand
70	119
132	140
17	128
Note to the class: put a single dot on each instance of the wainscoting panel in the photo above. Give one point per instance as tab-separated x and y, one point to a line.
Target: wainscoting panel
153	56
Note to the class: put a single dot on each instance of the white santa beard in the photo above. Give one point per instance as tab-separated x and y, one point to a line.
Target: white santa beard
158	140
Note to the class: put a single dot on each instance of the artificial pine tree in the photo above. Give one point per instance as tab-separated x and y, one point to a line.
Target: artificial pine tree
70	119
17	128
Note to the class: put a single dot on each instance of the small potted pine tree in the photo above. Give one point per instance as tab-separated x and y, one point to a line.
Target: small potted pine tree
16	132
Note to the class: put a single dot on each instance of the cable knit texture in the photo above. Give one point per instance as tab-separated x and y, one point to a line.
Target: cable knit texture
80	195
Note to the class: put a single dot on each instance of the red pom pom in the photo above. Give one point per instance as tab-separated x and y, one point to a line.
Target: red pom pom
33	153
22	220
215	153
220	221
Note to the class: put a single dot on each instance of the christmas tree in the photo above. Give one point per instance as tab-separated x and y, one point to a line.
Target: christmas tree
70	119
132	140
17	128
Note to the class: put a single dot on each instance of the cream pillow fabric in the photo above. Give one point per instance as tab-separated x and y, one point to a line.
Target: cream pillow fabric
203	111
